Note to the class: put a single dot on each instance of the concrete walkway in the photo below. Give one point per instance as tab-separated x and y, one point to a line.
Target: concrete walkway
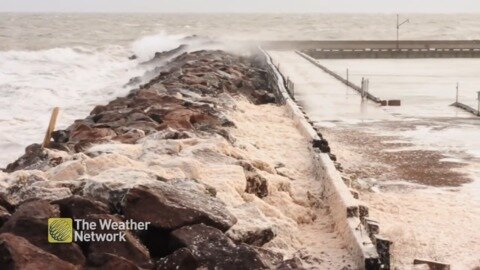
324	97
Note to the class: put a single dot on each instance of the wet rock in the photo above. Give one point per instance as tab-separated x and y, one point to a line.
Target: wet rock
98	109
34	154
4	202
198	233
17	253
22	185
30	221
171	134
212	249
294	263
133	81
252	227
4	216
272	259
111	185
132	249
162	56
129	135
181	259
79	207
36	157
109	261
256	184
83	132
61	136
322	145
263	97
69	170
171	206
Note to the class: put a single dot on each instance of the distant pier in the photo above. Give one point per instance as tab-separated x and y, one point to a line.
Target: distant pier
466	108
358	49
361	90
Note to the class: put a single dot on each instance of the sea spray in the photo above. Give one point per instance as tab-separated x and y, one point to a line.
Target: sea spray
146	47
74	79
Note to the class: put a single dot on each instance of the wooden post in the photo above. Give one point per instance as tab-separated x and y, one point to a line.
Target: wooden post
51	127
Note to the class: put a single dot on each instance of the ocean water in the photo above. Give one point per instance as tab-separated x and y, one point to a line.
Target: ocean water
76	61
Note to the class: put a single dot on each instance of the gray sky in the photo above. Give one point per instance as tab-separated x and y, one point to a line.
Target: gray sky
297	6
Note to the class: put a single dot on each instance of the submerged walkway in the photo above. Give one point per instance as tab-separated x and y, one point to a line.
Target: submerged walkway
415	209
322	95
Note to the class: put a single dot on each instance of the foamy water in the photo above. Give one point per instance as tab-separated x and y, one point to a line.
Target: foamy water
76	61
73	78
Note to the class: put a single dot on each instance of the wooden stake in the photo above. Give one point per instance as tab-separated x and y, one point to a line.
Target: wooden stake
51	127
432	264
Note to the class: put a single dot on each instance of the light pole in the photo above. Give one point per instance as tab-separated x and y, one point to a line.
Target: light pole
398	29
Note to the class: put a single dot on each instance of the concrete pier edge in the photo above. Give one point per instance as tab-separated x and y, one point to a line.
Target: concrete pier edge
338	77
466	108
371	251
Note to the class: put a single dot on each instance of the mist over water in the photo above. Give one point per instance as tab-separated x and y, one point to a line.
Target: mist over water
44	31
77	61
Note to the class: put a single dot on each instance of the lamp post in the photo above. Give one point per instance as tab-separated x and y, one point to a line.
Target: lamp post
398	29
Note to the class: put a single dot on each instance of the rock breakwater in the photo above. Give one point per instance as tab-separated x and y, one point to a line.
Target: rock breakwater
196	155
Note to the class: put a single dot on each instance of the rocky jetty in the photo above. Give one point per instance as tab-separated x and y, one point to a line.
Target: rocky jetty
164	154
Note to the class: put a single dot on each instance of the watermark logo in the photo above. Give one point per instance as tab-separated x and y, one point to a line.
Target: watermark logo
67	230
60	230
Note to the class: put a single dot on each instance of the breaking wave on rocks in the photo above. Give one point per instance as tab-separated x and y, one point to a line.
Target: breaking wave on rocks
73	78
145	47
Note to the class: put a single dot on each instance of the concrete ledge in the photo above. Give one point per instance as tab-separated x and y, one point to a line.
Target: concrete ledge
466	108
393	53
344	208
439	45
338	77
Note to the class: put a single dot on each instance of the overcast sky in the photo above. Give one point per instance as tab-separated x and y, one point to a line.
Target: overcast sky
297	6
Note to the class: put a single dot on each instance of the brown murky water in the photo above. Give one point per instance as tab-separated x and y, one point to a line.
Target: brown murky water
387	161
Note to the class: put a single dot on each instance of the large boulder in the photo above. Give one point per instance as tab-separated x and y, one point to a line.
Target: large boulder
30	221
213	250
252	227
109	261
131	249
111	185
256	184
17	253
4	215
21	186
171	205
37	157
80	207
181	259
